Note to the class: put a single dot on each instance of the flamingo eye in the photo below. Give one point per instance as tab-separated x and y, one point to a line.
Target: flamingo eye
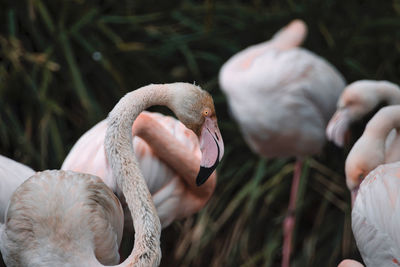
360	177
206	112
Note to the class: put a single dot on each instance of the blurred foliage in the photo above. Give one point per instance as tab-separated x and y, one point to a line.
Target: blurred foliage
64	64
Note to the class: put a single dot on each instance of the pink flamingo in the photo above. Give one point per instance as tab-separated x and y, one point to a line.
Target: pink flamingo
376	216
282	96
358	103
168	154
376	146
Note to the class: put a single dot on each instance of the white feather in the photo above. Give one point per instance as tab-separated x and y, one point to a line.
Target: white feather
376	216
12	174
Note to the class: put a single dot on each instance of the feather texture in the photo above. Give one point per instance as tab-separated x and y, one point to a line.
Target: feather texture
376	216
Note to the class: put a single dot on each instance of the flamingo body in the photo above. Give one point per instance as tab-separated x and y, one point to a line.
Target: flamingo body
282	96
376	216
170	193
12	174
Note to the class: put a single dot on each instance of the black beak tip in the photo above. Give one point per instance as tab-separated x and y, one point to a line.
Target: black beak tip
204	174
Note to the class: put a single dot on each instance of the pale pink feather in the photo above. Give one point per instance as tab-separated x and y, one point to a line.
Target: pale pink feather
166	187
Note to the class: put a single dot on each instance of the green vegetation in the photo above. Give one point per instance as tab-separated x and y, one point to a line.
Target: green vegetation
64	64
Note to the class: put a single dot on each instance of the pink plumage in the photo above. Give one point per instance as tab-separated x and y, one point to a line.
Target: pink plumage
173	197
376	217
281	95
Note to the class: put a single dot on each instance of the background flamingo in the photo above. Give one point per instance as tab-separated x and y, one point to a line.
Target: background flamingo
169	156
282	97
12	174
374	147
376	217
357	104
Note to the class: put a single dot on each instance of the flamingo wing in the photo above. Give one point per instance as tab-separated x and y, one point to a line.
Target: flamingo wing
88	156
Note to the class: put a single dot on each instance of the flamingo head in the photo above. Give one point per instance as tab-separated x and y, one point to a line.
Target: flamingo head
356	106
197	112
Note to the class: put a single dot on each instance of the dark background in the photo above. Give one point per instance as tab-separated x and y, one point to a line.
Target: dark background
64	64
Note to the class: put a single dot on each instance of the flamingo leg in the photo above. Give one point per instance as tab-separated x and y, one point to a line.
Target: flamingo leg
290	219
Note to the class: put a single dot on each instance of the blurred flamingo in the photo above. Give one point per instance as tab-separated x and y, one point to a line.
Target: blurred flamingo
169	157
376	146
376	217
350	263
12	174
358	103
282	96
76	201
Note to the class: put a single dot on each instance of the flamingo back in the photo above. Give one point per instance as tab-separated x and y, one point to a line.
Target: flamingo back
56	217
376	216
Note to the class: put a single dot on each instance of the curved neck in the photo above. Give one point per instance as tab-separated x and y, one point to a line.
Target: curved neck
119	150
389	93
383	122
169	149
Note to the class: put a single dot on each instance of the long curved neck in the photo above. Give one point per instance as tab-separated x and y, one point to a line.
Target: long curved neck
118	146
170	150
383	122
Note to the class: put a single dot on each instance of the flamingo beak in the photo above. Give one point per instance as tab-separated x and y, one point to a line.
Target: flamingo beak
338	127
212	149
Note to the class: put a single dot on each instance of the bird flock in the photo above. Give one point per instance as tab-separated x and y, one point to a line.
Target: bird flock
136	172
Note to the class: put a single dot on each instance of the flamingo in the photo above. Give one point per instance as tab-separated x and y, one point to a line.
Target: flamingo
282	97
12	174
58	218
68	236
376	216
376	146
168	154
357	104
350	263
